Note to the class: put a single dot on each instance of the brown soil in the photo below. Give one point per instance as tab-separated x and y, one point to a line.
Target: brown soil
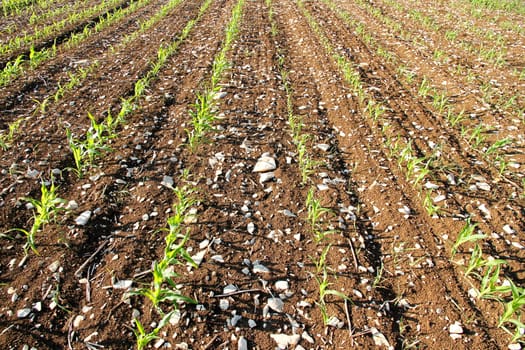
394	267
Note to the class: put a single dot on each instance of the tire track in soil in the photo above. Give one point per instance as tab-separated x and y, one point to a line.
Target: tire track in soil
110	223
19	96
392	228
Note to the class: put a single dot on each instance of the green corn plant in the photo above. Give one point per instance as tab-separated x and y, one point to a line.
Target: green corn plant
489	288
143	338
514	306
424	88
320	264
496	146
431	208
77	148
11	70
439	101
466	235
45	210
455	119
315	212
202	117
323	284
374	110
477	137
7	139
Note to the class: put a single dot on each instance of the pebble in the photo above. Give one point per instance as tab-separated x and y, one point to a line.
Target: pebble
159	343
53	267
265	177
252	323
264	164
283	340
431	186
72	205
224	304
282	285
508	229
167	181
77	320
37	306
308	337
235	319
242	344
514	346
230	288
23	313
258	268
276	304
455	330
199	257
379	338
217	258
83	218
251	228
122	284
323	147
483	186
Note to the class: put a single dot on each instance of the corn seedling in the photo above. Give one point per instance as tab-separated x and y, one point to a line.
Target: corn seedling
496	146
424	88
431	208
455	119
439	101
45	210
466	235
143	338
489	287
7	139
320	264
323	292
315	212
477	137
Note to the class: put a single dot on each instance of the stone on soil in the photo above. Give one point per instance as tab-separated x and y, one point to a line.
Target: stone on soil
83	218
264	164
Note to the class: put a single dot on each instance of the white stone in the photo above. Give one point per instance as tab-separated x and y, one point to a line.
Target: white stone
83	218
282	285
283	340
265	177
259	268
235	319
199	257
252	323
167	181
508	229
455	328
53	267
217	258
23	313
122	284
159	343
276	304
242	344
77	320
323	147
72	205
483	186
379	338
224	304
251	228
431	186
230	288
308	337
514	346
264	164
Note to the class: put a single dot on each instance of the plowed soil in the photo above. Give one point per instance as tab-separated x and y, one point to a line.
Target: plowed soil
385	252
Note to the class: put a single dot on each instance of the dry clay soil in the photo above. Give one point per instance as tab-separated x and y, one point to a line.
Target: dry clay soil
394	265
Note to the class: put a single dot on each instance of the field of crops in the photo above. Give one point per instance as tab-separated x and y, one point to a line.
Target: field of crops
261	174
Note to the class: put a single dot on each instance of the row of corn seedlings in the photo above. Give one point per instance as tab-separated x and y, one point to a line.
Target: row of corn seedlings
49	31
500	100
96	139
15	68
475	138
203	112
487	273
15	6
163	292
492	266
315	210
76	78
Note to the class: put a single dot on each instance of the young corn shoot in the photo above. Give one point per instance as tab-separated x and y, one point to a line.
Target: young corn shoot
466	235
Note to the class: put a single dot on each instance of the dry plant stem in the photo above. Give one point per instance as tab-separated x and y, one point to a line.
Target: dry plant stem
347	312
240	292
356	264
78	272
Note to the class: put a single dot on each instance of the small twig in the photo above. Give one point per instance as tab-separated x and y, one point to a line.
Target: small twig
361	333
239	292
78	273
356	264
8	328
47	292
347	312
210	343
70	334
